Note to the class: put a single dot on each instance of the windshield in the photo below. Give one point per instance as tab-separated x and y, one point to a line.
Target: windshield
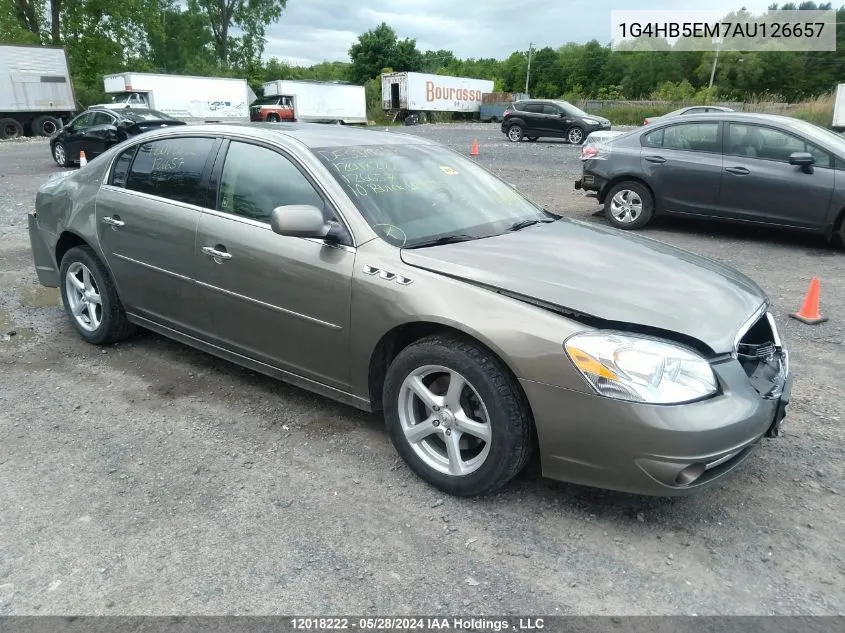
414	194
266	101
571	109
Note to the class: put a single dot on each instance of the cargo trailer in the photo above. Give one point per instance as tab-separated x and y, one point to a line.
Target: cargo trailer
420	92
494	104
36	95
311	102
187	98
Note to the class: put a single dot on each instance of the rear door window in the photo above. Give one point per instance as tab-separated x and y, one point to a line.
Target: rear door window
533	107
171	168
695	137
550	109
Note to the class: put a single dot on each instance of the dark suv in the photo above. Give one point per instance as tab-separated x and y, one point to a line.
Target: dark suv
534	118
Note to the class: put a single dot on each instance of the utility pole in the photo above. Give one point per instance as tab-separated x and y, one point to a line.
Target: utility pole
528	72
715	59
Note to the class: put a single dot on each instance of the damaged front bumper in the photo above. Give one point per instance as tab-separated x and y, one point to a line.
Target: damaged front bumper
43	259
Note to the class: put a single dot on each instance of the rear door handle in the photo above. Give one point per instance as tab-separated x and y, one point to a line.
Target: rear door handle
739	171
655	159
113	221
215	253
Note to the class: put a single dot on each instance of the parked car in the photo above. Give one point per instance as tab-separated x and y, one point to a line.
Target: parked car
396	275
97	129
537	118
751	168
685	111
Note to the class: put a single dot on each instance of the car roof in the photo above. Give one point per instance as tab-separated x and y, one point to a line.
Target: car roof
309	134
749	117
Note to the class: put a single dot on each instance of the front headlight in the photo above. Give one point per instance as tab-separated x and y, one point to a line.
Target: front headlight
628	367
590	121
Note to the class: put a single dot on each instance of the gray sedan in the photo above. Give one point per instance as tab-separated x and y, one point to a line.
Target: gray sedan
395	275
749	168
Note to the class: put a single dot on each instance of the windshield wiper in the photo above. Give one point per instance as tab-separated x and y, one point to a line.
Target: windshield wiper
524	224
446	239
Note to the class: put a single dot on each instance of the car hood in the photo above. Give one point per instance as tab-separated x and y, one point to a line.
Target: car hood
600	273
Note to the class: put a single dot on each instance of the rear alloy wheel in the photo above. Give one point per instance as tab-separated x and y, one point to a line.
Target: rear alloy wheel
515	133
456	416
575	135
46	126
90	298
629	205
60	155
9	129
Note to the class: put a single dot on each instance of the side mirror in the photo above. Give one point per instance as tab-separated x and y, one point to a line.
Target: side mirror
803	159
299	220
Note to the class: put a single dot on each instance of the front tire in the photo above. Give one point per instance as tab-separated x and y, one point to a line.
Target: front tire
629	205
90	298
456	416
515	133
575	135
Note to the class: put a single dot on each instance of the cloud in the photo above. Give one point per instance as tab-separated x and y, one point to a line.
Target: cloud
311	31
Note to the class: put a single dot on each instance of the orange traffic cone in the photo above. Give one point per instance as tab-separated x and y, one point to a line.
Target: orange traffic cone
82	160
474	150
809	312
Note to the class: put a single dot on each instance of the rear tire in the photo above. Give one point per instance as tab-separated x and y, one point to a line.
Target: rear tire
515	133
446	446
10	128
90	298
46	126
60	155
629	205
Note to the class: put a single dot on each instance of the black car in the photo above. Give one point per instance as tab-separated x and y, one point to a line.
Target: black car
750	168
97	129
535	118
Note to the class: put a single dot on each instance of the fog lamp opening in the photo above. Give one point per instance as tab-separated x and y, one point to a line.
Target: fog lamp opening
690	474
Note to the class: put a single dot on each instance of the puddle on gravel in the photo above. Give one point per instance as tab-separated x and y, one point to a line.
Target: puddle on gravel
9	333
39	296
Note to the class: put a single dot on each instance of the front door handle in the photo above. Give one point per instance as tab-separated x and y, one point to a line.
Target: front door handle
113	221
655	159
211	251
739	171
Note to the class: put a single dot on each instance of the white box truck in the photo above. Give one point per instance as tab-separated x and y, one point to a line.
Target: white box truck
192	99
36	95
419	92
311	102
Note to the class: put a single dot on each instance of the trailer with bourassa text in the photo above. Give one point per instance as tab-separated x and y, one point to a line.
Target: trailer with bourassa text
420	92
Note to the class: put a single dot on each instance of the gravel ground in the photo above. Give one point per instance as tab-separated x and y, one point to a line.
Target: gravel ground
149	478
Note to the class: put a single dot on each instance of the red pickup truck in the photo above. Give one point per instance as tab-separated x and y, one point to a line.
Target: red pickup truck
272	109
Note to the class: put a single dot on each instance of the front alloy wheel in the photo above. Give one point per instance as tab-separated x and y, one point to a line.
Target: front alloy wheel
515	133
457	416
575	136
444	420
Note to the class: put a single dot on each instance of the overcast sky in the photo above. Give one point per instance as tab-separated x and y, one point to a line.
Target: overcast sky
311	31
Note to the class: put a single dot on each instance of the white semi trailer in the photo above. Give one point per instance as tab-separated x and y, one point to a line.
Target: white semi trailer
36	95
192	99
420	92
312	102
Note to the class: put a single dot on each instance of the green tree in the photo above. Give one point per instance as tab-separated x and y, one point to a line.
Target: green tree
380	48
251	17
